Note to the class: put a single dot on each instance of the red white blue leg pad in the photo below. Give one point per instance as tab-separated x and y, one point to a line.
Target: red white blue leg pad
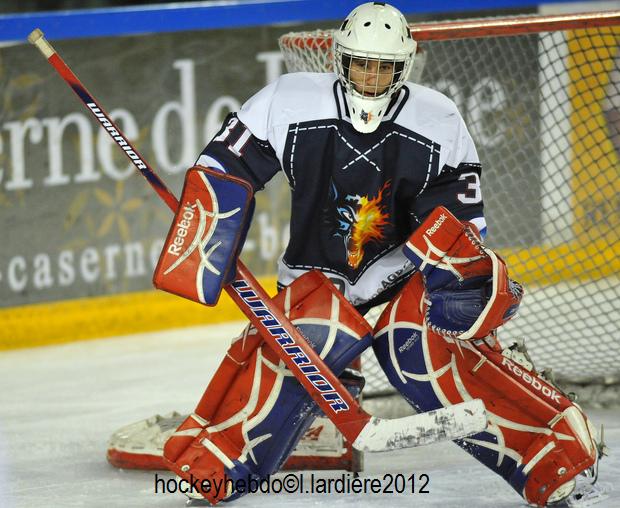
537	439
254	411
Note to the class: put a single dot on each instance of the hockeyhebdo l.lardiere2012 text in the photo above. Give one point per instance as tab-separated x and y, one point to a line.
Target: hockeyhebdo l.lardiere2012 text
299	483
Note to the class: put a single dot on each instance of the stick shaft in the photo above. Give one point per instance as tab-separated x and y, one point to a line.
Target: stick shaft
337	403
36	37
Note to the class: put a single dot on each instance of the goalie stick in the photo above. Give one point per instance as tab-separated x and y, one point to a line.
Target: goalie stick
364	431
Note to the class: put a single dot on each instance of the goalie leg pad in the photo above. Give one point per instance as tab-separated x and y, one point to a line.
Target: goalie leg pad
254	410
537	439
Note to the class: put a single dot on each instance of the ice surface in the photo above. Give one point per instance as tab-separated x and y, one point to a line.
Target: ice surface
59	405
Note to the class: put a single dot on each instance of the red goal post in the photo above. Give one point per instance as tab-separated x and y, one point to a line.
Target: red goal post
321	40
541	97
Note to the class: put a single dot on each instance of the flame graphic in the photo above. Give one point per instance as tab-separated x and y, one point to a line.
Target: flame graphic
368	226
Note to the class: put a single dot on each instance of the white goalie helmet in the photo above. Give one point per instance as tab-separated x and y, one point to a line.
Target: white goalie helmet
373	54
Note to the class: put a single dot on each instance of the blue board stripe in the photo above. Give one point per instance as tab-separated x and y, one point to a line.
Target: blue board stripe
177	17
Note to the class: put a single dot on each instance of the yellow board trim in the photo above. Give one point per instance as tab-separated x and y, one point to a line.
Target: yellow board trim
568	262
108	316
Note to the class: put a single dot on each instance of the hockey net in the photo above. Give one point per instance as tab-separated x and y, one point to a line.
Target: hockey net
541	97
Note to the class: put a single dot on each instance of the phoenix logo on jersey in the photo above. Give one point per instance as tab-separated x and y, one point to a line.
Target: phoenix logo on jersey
360	219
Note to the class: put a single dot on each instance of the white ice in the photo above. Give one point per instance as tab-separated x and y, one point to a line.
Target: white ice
59	405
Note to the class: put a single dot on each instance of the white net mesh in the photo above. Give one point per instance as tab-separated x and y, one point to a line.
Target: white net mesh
544	111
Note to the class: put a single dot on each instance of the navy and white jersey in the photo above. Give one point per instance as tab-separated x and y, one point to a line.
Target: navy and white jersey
356	197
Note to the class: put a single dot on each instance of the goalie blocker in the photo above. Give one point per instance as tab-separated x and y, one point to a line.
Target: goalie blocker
537	439
205	238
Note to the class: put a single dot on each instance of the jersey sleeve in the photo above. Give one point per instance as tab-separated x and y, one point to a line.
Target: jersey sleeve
241	147
458	185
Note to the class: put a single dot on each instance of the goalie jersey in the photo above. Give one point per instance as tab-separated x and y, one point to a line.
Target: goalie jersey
356	197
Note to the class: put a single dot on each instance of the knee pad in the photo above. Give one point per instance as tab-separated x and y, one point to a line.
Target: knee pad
537	439
254	411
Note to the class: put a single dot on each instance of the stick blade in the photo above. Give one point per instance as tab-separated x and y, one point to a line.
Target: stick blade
444	424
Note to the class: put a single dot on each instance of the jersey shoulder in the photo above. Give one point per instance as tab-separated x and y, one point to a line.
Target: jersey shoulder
305	83
292	98
428	111
303	97
431	100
